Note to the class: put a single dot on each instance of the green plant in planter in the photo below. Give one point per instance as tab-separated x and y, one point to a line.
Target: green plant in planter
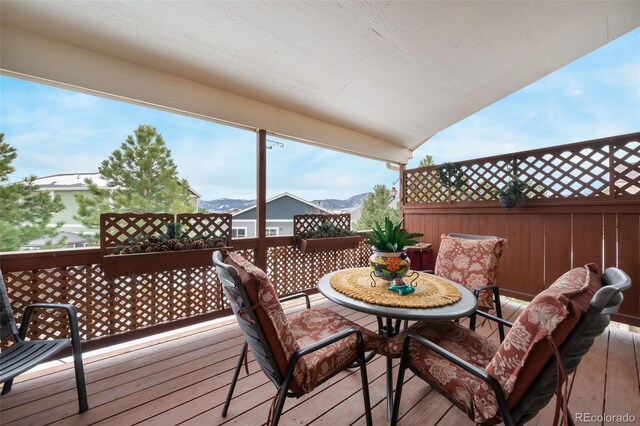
450	175
392	238
328	230
512	193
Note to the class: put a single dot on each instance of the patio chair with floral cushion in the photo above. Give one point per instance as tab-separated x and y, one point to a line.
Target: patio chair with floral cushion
511	382
297	352
472	260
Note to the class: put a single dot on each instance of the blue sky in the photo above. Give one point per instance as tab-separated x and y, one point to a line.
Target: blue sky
60	131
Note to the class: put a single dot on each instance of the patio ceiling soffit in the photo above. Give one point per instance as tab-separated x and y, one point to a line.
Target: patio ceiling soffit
375	79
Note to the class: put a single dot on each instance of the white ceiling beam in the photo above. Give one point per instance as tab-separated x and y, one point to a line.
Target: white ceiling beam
31	56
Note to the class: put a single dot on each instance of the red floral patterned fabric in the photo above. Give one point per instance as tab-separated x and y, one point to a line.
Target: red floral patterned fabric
472	263
468	392
516	362
312	325
286	335
554	312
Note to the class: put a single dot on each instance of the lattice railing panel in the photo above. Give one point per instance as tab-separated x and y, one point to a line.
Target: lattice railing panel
574	171
566	174
206	224
118	228
308	222
481	180
626	158
424	185
111	306
291	271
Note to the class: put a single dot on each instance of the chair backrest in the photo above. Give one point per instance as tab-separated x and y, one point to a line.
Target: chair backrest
7	321
471	260
473	237
592	323
241	304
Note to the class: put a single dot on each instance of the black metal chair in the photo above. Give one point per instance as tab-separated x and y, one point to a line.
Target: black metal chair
255	305
489	287
23	354
538	388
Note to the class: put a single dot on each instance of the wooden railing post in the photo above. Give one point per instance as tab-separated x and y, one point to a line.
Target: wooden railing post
261	199
612	171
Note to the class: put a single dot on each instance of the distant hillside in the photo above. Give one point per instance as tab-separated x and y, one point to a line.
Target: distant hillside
348	204
224	205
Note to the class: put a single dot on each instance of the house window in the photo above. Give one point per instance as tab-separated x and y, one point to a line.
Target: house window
238	232
271	231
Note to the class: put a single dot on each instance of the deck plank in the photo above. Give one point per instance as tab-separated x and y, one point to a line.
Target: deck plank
184	378
622	393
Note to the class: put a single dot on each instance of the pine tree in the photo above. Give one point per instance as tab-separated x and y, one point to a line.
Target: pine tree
375	207
427	161
25	211
141	178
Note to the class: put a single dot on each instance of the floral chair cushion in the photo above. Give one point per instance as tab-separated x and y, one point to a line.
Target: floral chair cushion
553	313
516	362
287	335
469	393
472	263
312	325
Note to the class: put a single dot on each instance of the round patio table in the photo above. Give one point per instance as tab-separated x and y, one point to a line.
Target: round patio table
387	315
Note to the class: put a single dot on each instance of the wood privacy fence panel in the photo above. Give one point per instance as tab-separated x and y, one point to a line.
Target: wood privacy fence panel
606	168
544	244
108	307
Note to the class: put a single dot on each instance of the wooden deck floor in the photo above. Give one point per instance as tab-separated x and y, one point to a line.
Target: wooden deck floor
183	379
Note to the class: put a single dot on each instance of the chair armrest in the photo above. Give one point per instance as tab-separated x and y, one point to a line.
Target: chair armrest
71	312
321	344
465	365
296	296
491	287
494	318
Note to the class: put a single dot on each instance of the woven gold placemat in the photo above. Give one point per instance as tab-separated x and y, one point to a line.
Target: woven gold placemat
430	292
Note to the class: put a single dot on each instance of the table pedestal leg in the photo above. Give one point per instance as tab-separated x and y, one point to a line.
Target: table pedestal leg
388	330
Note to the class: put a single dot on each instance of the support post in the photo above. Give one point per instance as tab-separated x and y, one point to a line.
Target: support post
401	191
261	199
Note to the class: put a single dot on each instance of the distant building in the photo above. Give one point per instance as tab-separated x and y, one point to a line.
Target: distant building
71	240
280	212
70	184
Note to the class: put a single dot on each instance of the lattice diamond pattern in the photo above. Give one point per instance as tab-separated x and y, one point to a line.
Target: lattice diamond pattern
566	174
110	306
308	222
118	228
210	224
571	171
424	186
627	169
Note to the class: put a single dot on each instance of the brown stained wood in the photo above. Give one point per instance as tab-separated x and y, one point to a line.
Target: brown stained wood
342	403
587	239
591	374
536	256
557	249
261	198
193	387
629	261
622	392
426	412
550	173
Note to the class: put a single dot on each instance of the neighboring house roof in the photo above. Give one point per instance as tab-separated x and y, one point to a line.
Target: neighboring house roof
306	207
72	239
76	181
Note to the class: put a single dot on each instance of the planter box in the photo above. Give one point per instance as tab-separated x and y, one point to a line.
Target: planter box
313	245
118	265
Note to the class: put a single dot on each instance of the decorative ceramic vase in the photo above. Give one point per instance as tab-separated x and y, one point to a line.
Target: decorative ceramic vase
390	266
